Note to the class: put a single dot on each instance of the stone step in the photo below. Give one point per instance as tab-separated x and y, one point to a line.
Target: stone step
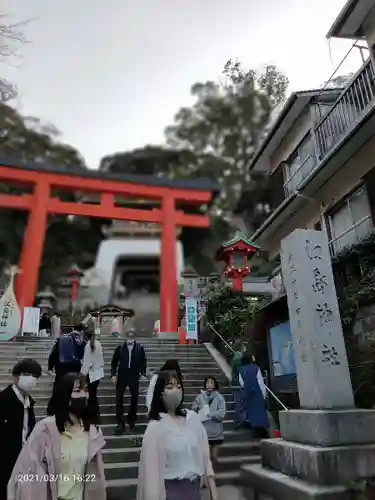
118	489
129	470
49	340
109	409
140	427
189	374
192	386
195	368
110	418
234	451
133	440
109	399
10	359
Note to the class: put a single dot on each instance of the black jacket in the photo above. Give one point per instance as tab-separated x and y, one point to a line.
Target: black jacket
11	428
120	362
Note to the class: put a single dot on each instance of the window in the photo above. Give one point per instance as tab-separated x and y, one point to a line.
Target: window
299	165
351	222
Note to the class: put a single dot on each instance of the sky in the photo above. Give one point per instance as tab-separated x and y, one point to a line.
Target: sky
111	74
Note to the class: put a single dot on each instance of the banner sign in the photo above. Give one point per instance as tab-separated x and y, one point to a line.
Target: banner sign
191	307
31	316
10	313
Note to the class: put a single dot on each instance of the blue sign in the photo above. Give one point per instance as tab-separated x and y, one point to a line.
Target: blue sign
191	308
282	353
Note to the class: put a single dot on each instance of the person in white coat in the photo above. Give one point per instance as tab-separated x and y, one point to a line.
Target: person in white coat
93	368
171	365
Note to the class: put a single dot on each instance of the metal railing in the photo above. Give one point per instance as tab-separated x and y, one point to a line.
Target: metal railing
347	110
351	236
272	394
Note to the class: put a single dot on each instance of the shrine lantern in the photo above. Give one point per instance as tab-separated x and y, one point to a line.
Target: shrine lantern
235	254
74	275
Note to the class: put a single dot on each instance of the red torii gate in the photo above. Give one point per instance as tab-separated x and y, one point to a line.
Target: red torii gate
41	202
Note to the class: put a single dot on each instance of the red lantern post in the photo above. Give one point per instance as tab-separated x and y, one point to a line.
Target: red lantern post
75	274
235	254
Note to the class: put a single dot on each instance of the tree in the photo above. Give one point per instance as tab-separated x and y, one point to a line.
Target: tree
67	241
150	160
214	138
225	126
10	37
339	81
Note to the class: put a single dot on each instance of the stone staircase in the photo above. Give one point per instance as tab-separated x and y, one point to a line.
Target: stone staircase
121	454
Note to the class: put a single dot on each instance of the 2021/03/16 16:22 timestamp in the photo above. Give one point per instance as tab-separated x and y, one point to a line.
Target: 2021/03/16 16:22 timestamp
52	478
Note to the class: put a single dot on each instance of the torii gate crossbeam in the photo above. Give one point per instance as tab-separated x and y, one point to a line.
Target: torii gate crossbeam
41	203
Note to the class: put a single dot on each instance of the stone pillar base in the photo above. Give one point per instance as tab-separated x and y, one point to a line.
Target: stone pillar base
320	454
328	465
260	483
328	427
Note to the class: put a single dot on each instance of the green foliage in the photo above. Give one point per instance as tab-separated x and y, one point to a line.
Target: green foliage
214	138
229	311
225	126
67	241
150	160
354	272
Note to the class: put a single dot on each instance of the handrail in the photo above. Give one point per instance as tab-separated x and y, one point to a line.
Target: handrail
233	351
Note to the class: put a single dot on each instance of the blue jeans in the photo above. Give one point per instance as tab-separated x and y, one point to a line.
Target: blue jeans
239	411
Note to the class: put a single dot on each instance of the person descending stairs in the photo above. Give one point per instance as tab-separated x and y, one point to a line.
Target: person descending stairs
121	452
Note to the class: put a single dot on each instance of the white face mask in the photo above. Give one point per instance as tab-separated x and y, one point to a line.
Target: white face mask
26	383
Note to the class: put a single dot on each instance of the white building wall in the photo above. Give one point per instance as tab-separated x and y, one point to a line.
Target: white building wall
111	250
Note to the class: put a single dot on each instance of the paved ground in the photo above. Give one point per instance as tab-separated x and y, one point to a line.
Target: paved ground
225	493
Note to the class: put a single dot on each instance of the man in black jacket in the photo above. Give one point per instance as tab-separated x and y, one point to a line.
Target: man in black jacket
128	364
17	418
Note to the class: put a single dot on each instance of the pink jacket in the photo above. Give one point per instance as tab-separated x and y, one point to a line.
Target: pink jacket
39	459
153	458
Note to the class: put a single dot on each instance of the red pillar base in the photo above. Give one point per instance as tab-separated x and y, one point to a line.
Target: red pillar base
238	284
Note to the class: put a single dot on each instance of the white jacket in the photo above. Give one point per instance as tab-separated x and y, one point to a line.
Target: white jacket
93	362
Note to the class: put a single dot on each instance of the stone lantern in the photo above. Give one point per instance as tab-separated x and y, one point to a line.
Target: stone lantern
45	300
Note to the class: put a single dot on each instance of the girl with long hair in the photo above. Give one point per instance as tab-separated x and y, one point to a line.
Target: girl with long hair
175	453
170	365
62	457
93	368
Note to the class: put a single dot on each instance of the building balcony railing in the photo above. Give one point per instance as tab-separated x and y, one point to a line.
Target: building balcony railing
351	236
347	110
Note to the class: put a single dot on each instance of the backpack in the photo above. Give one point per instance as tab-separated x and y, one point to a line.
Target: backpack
67	349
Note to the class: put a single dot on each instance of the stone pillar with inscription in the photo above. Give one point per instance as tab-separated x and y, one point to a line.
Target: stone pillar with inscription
327	442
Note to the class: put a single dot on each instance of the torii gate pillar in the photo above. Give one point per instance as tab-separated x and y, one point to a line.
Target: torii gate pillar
168	268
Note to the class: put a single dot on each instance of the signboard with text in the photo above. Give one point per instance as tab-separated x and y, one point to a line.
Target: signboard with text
191	311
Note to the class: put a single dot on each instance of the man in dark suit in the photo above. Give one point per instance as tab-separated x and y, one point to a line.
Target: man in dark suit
128	364
17	418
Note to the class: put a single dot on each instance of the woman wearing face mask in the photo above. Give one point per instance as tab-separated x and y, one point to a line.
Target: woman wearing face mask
175	452
93	368
170	365
211	408
17	418
62	457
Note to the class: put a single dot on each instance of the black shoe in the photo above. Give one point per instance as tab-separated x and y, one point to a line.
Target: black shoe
120	429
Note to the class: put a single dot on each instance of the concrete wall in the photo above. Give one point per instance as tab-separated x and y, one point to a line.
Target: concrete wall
349	176
295	135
